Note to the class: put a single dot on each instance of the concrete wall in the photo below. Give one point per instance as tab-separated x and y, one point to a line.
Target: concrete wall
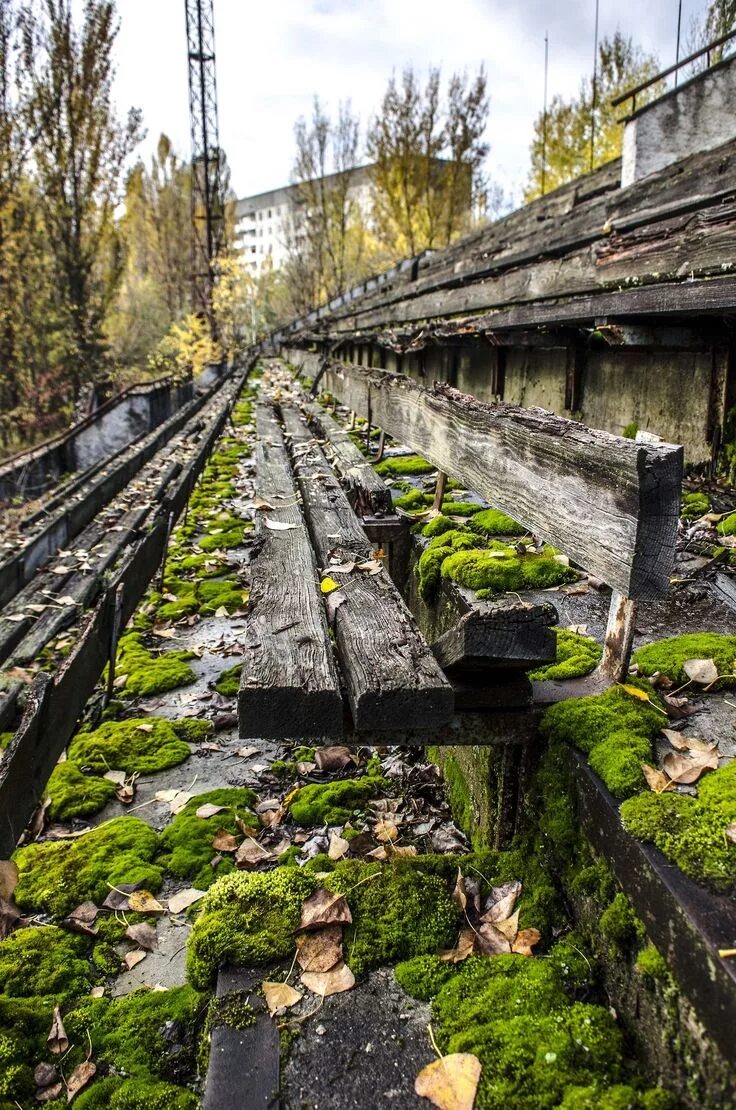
698	115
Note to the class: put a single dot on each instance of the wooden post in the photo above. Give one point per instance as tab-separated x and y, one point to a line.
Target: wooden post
381	446
114	637
165	555
439	493
351	425
614	665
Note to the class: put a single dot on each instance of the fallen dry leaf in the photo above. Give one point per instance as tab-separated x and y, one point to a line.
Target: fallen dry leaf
324	983
334	757
280	996
685	768
142	901
321	950
459	896
450	1083
79	1078
490	941
8	878
656	780
47	1094
730	832
499	904
209	810
324	908
175	799
338	846
509	927
463	948
57	1040
183	899
45	1074
133	958
386	831
525	941
9	917
143	935
702	671
277	525
250	853
223	841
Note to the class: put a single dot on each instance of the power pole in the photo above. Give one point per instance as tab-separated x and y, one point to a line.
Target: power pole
208	204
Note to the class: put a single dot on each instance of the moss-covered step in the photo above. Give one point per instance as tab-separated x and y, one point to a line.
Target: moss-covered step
669	656
147	673
687	923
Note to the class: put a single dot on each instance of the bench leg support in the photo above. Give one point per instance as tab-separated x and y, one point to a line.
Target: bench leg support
614	665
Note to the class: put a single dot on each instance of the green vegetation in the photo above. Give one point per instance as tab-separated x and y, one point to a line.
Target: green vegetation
146	673
228	683
142	744
492	522
437	525
483	570
619	923
414	501
402	465
691	831
56	876
186	844
668	656
74	794
576	656
45	961
333	803
651	962
694	505
113	1093
727	527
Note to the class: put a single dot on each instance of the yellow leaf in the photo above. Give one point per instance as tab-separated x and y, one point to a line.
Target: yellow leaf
450	1083
635	692
280	996
328	585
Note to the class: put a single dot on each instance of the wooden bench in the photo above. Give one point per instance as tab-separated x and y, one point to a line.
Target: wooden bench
289	683
610	504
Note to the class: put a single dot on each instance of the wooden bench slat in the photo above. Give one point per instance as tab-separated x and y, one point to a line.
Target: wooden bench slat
289	685
392	679
367	492
609	503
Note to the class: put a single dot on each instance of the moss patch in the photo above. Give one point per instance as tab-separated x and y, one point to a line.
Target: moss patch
57	876
492	522
691	831
45	961
403	465
74	794
147	673
727	527
113	1093
694	505
186	844
228	683
143	744
668	656
576	656
483	570
332	803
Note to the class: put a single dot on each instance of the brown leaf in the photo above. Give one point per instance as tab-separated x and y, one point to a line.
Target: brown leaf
334	757
525	941
463	948
143	935
459	896
338	846
684	743
133	958
702	671
45	1074
251	853
280	997
386	831
324	908
8	878
730	833
340	978
183	899
321	950
491	942
656	780
209	810
678	707
509	927
9	917
79	1078
224	841
57	1040
47	1094
499	904
142	901
686	769
76	925
450	1083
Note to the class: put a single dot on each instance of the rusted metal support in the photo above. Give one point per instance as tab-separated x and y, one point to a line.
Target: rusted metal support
614	665
381	447
164	557
117	621
439	493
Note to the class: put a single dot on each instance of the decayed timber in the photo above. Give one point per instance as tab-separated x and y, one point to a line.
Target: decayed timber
614	665
289	685
367	493
392	679
609	503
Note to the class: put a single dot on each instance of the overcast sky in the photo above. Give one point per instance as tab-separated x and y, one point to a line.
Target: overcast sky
273	56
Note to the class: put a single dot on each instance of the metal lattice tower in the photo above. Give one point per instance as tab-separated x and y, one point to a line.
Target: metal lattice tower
207	194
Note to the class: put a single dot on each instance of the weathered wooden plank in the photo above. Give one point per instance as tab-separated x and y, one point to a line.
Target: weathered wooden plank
289	685
391	677
367	492
610	504
243	1068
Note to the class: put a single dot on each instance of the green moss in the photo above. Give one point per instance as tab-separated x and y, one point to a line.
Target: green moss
440	547
438	525
24	1026
149	674
694	505
223	540
576	656
630	430
483	570
45	961
228	683
618	760
400	465
57	876
668	656
247	919
460	508
113	1093
5	738
651	962
585	722
619	923
691	831
142	744
727	527
74	794
618	1097
423	976
332	803
186	844
492	522
414	501
458	792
